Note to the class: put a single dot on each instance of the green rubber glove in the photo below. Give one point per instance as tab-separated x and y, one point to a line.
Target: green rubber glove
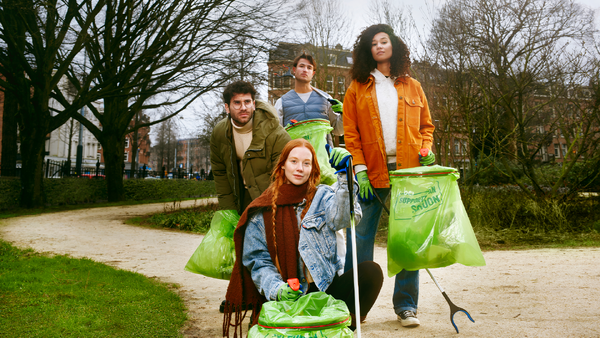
429	159
338	158
285	292
365	192
336	105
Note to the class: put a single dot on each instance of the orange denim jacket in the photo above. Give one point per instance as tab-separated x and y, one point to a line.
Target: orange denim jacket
363	133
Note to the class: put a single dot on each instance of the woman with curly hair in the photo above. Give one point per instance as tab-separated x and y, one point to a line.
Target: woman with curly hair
386	124
290	232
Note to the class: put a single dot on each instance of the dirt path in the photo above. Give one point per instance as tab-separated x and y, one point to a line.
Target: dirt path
537	293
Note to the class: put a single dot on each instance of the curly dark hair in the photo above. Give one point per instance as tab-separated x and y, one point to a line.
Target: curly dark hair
364	63
238	87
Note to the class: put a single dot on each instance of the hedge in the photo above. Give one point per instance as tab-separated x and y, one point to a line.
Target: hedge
63	191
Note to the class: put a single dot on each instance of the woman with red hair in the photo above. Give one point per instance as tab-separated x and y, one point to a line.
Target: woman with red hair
290	232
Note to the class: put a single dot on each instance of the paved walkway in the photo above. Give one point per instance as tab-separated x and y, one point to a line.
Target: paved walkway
537	293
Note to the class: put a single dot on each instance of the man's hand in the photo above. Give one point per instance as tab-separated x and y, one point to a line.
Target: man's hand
426	157
285	292
336	105
365	192
338	157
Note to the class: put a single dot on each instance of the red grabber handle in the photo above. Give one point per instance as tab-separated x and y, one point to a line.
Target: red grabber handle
424	152
294	283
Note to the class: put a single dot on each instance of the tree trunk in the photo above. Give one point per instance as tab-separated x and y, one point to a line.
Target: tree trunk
114	166
9	136
33	141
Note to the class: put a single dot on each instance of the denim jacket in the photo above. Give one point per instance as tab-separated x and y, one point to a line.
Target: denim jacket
329	212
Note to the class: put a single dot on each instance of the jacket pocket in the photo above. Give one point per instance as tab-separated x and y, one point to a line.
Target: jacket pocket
315	221
371	153
413	107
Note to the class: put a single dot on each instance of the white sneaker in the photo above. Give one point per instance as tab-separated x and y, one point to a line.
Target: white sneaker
408	319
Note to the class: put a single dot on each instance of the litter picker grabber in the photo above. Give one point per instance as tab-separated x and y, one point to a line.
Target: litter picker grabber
350	177
453	308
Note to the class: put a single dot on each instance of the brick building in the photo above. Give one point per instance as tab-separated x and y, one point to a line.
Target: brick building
333	65
192	156
331	76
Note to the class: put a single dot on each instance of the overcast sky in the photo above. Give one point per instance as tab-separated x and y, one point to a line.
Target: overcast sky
358	10
422	11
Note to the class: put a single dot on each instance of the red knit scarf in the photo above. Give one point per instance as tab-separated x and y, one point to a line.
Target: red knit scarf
242	294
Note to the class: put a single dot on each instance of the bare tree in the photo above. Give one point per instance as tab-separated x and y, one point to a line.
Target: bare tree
138	139
166	142
210	115
508	65
33	34
398	16
142	55
324	27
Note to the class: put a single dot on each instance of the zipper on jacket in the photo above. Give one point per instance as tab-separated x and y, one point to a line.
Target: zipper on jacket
233	166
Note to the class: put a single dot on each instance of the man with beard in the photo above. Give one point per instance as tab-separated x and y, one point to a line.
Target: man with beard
244	146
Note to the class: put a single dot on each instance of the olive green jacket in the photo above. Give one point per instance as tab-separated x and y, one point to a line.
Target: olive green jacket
268	140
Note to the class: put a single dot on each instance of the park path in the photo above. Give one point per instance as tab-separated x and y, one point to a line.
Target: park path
533	293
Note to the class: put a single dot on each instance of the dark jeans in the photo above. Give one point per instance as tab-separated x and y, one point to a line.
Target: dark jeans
406	285
370	280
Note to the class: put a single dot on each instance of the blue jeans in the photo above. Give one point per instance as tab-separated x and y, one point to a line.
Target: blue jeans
406	286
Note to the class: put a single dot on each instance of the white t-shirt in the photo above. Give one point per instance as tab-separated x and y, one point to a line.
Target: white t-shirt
387	102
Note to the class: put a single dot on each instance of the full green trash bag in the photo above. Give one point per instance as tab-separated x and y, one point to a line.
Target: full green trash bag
429	226
315	131
315	315
215	255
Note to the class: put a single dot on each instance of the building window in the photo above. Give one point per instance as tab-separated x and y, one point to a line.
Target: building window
99	146
332	59
126	142
329	86
341	85
276	81
126	158
556	150
98	156
564	149
540	129
456	147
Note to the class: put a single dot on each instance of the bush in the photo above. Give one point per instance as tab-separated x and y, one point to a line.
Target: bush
70	191
10	192
196	219
503	208
494	173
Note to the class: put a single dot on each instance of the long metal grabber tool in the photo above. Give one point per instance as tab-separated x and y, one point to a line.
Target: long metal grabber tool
350	177
453	308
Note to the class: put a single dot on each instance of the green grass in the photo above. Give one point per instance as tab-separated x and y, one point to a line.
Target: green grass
194	219
58	296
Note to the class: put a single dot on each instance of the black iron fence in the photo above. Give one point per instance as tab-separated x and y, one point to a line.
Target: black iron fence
10	172
63	169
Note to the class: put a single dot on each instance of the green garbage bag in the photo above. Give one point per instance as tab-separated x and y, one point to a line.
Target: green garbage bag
215	255
429	226
315	131
315	315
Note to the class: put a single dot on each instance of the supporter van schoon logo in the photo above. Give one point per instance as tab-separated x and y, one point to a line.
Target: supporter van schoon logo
409	204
